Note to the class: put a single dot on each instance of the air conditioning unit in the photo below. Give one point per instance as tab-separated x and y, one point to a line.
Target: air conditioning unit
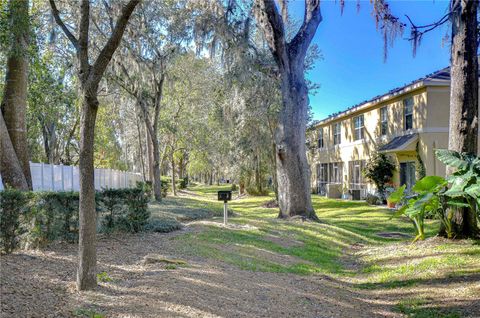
334	190
356	194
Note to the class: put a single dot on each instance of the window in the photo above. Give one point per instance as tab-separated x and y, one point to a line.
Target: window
408	113
358	124
383	121
337	137
356	176
407	175
320	138
336	172
322	178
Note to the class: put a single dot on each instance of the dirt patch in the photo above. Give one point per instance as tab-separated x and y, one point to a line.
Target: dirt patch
41	284
348	259
393	235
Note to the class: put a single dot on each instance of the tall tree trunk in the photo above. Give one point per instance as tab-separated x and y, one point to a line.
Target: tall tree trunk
10	169
155	164
149	153
463	128
14	103
157	181
174	186
273	157
140	144
180	168
293	171
86	274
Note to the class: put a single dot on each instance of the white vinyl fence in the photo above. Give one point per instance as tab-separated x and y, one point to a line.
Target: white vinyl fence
46	177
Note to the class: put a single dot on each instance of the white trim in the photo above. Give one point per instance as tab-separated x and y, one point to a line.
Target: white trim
386	138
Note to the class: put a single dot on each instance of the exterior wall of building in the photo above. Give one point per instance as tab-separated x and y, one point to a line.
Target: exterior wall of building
430	121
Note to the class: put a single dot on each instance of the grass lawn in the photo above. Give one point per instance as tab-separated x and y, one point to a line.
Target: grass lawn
356	244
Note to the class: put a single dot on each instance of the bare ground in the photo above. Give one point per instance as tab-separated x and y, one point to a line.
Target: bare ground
41	284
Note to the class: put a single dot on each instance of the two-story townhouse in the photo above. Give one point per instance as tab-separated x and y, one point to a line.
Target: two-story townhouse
408	123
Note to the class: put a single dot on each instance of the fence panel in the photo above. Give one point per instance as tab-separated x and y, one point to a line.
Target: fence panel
46	177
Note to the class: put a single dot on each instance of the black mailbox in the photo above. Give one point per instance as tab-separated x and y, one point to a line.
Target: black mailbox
224	196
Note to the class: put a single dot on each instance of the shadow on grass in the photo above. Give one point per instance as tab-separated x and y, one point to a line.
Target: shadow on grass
464	276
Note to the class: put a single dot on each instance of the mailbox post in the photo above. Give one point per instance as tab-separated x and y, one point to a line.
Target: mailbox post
225	196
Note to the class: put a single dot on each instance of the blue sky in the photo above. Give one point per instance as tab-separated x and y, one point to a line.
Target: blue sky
352	69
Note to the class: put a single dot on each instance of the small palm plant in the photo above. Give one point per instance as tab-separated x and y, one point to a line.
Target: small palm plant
440	197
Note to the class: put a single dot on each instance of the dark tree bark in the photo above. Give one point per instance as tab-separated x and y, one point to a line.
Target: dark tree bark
14	103
174	180
50	145
293	172
463	128
10	169
140	144
154	155
90	76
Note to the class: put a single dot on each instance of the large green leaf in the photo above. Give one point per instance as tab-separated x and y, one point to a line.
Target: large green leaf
451	158
458	186
412	212
400	211
429	184
458	203
397	195
476	163
474	190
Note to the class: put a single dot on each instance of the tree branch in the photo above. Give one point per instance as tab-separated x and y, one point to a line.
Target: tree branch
106	54
312	18
284	10
82	51
56	16
271	22
158	99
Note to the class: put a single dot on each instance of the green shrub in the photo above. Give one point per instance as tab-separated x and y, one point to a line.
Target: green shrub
440	197
183	183
49	216
379	170
163	225
146	186
372	199
33	219
234	187
165	187
138	213
11	206
123	209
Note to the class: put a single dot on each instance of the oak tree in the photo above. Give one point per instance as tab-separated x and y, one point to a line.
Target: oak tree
90	75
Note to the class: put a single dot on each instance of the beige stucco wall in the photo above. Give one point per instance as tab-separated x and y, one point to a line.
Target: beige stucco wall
430	121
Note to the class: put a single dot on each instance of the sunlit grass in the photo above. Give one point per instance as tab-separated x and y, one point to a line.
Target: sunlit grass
274	245
320	244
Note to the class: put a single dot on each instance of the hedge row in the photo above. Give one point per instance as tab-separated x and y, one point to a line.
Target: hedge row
32	219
